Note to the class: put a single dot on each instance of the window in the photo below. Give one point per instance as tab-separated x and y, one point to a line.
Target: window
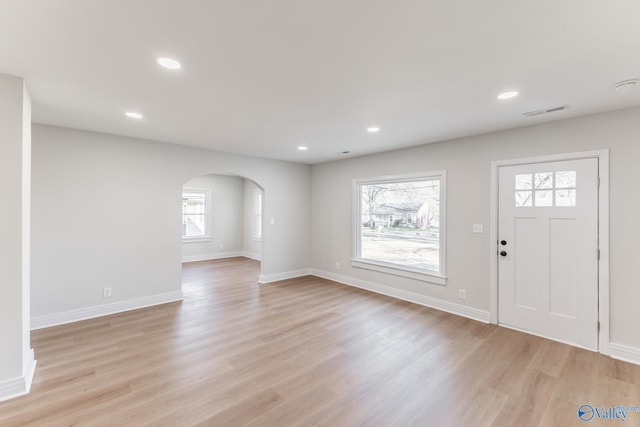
195	214
400	224
257	215
546	189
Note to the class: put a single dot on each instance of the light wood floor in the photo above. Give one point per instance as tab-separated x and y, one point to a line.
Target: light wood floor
307	352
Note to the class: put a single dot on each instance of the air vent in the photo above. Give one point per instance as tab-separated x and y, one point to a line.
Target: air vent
545	111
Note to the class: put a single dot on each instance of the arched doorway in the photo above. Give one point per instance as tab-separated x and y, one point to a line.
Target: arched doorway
222	217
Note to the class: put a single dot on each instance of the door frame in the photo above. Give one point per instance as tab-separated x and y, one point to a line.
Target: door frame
603	233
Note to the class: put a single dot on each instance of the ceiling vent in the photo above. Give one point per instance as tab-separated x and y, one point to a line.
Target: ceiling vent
545	111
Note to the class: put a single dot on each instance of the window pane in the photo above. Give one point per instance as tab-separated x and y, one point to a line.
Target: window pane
400	223
524	181
258	206
544	180
566	179
195	203
544	198
258	227
194	213
194	225
565	197
257	211
524	198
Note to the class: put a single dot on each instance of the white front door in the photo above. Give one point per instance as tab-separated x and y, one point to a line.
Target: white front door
548	250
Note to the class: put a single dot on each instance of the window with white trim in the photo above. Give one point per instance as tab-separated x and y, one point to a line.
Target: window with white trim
257	214
195	214
400	225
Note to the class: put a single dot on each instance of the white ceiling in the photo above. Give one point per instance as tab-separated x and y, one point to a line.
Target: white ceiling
261	77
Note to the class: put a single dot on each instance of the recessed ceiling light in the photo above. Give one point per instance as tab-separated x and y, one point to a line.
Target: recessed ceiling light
133	115
373	129
303	148
625	85
508	95
169	63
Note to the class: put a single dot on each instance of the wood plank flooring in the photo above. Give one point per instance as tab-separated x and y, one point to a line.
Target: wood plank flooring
307	352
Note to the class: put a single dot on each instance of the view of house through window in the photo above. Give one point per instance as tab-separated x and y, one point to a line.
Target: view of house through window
194	213
400	223
257	214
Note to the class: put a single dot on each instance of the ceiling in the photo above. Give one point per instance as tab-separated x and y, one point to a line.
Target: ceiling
263	77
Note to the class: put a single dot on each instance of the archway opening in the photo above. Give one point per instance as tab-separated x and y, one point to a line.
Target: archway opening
222	217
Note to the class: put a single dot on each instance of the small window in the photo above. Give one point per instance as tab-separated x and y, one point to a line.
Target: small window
195	214
257	214
400	225
546	189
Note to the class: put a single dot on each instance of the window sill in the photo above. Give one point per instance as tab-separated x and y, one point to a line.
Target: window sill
407	272
200	239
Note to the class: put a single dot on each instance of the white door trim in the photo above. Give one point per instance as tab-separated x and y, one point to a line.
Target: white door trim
603	234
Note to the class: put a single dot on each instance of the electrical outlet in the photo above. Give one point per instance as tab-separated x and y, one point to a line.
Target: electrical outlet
462	294
221	245
478	228
337	266
272	220
106	293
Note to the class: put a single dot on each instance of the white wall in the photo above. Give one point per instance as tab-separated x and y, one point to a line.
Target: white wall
106	213
226	221
252	248
16	357
467	162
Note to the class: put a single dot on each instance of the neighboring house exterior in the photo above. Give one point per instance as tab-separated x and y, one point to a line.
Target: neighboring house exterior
415	215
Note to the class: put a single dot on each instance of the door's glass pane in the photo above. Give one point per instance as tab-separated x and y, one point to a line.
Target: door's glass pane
566	179
544	198
544	180
565	197
524	198
524	181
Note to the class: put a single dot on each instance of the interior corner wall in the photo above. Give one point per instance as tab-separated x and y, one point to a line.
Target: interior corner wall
107	213
225	223
252	248
467	162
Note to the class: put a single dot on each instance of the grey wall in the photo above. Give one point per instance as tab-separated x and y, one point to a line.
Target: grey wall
467	162
106	213
226	219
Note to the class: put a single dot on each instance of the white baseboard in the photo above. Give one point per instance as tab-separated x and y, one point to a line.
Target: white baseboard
252	255
624	353
268	278
19	386
48	320
449	307
207	257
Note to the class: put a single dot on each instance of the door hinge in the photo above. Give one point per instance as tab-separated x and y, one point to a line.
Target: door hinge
598	254
598	181
598	326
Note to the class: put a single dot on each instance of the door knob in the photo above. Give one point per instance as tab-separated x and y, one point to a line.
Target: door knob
503	242
503	253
